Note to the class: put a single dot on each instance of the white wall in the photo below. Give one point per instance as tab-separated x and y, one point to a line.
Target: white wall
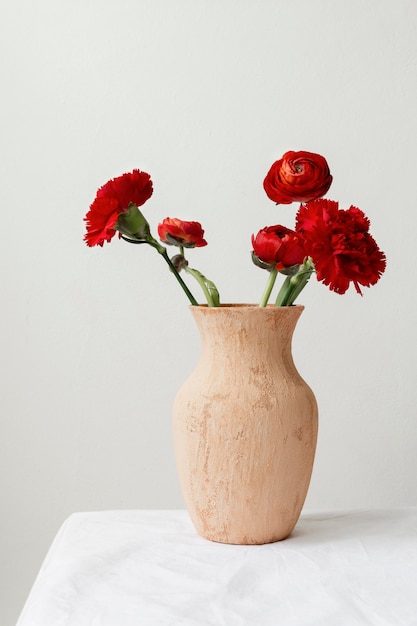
204	95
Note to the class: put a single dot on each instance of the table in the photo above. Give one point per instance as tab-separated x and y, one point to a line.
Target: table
150	568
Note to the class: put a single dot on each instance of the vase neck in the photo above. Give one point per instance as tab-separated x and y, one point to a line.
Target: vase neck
247	333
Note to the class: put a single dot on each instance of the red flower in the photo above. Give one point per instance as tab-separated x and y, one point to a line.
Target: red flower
101	219
135	187
340	245
179	233
298	177
279	247
112	199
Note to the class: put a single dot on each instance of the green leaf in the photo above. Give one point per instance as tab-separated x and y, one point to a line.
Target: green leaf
209	288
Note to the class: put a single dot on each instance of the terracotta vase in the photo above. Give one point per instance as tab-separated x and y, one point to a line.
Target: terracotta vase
245	426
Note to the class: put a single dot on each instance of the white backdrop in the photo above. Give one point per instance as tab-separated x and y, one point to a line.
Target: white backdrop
204	95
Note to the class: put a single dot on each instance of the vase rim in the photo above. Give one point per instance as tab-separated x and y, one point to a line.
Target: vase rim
238	305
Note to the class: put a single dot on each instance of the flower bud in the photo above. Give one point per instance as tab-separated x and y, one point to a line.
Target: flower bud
278	247
176	232
179	262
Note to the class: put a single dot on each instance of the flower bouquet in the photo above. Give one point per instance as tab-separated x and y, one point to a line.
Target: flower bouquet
333	243
245	422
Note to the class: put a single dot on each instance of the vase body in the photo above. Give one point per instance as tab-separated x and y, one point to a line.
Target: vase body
245	426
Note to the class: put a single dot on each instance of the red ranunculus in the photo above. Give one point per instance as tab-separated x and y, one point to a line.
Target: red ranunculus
112	199
340	245
298	177
180	233
279	247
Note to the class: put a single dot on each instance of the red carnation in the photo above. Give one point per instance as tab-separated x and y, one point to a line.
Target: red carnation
279	247
298	177
134	187
101	219
180	233
112	199
340	245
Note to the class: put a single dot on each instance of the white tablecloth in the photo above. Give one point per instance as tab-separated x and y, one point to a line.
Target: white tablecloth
150	568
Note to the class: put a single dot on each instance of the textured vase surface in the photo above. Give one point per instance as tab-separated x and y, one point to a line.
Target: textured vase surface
245	426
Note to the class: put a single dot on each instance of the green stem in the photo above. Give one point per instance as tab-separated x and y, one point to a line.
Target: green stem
299	285
163	251
293	285
179	279
283	293
269	286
